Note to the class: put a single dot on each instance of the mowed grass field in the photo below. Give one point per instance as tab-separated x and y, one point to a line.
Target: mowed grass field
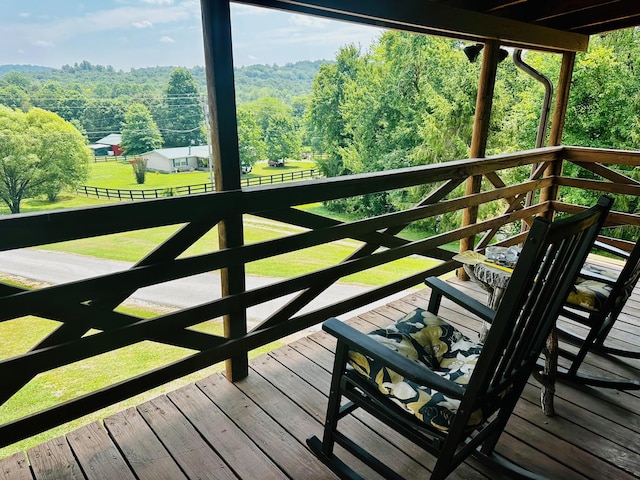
68	382
120	175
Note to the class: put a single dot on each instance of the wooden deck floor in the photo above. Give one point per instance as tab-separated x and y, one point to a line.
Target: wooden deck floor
256	428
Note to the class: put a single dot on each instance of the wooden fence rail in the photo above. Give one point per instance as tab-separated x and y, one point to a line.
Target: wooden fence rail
76	308
147	194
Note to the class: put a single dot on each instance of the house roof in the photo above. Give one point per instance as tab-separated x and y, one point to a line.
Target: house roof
111	139
553	25
200	151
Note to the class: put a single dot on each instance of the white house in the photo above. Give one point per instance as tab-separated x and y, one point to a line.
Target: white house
178	159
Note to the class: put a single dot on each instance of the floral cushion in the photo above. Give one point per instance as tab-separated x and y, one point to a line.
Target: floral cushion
589	294
424	337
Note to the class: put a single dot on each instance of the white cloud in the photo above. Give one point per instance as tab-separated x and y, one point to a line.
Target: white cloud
24	14
167	39
308	21
158	2
245	10
142	24
43	43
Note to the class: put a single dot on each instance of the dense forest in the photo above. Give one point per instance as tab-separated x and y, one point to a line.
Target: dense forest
252	82
410	101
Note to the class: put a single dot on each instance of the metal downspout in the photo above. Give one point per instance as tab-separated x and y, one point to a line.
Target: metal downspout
544	114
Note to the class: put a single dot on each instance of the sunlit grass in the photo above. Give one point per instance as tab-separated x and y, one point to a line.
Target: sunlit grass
65	383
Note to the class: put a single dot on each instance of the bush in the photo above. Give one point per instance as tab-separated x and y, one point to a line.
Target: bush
139	165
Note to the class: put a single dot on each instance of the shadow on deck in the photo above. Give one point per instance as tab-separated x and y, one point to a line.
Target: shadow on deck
256	428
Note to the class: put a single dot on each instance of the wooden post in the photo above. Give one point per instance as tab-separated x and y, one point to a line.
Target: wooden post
548	194
484	102
557	123
216	27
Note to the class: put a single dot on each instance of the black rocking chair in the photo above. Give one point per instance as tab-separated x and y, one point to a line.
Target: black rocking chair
444	392
596	303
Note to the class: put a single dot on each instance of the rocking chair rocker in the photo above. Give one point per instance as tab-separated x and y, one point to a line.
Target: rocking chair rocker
444	392
599	313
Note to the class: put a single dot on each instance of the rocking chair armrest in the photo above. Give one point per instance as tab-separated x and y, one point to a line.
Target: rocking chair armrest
410	369
587	275
441	288
618	252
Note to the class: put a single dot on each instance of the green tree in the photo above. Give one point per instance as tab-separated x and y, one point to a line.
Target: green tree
68	103
281	138
14	97
19	172
603	108
39	153
61	150
279	132
324	120
139	132
101	117
251	145
184	116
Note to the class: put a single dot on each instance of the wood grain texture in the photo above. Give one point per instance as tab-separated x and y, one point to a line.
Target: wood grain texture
53	459
144	452
97	455
15	467
194	455
230	442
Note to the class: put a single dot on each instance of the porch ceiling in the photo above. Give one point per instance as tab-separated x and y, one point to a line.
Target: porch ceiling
560	25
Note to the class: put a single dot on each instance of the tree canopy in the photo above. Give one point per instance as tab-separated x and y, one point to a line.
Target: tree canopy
140	133
40	153
183	118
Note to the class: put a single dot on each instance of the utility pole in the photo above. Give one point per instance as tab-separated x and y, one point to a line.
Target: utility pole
207	126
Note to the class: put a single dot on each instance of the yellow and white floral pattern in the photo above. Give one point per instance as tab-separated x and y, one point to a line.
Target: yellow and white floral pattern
426	338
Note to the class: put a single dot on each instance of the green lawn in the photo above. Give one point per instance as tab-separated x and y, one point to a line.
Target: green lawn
120	175
70	381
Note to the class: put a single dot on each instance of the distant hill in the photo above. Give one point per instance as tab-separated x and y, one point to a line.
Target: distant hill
252	82
23	68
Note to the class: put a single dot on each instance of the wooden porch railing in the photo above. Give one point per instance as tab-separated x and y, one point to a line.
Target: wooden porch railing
89	304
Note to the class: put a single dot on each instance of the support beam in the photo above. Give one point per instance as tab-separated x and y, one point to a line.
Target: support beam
481	120
557	123
216	27
435	18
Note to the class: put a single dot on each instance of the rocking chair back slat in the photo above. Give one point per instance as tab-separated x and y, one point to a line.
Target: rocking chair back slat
532	301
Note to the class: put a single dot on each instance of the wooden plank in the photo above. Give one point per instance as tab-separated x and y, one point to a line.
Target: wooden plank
147	456
291	456
602	155
614	459
195	457
231	443
53	459
599	186
97	455
15	467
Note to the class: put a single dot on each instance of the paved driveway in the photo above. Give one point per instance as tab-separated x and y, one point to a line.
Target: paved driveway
57	267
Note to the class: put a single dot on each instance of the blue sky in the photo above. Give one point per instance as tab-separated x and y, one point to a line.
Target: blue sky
141	33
